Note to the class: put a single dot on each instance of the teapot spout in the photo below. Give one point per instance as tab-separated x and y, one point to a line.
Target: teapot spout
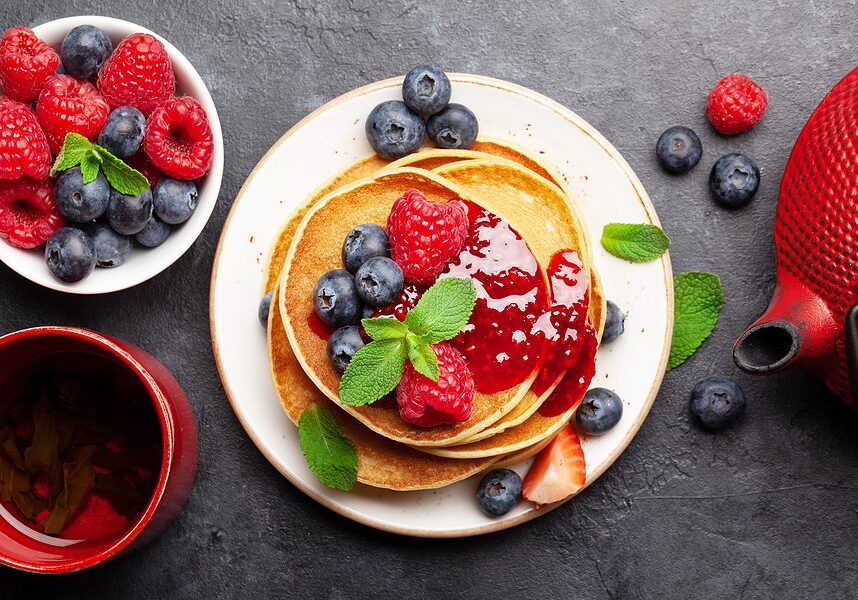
797	330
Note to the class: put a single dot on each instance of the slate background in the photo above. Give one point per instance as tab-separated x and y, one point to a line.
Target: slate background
767	509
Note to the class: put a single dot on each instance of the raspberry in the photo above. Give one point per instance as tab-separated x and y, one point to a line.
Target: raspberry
69	105
28	216
425	236
179	141
449	400
137	74
23	146
26	62
735	104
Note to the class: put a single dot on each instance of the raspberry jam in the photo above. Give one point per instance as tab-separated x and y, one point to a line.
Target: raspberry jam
563	325
407	299
319	327
498	342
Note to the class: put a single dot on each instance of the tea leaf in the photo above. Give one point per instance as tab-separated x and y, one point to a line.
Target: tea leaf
78	481
43	451
12	481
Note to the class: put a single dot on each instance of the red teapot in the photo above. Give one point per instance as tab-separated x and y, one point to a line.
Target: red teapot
812	320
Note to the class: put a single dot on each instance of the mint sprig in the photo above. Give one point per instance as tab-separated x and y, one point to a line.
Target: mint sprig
442	312
698	299
635	242
328	452
77	150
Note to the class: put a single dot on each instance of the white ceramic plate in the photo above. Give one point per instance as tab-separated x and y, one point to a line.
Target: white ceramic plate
143	263
329	140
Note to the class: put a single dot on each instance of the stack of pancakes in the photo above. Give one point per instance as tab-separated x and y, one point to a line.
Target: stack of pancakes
505	427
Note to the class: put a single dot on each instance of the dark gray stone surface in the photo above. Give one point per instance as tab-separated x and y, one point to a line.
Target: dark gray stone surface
767	509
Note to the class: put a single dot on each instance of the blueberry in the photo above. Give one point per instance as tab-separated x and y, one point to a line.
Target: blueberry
265	308
111	249
336	300
123	132
614	323
342	345
717	401
175	200
154	234
379	281
78	202
394	130
426	90
600	410
129	214
70	255
84	50
453	127
362	243
679	149
499	491
734	180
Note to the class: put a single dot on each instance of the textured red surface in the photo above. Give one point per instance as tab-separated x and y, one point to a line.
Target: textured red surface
816	226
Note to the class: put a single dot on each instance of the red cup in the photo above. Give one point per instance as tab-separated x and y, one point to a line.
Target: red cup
178	441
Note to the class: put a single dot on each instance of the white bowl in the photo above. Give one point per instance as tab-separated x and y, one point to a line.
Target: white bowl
143	263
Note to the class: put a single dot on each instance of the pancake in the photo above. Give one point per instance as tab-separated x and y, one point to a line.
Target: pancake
368	166
381	462
315	249
534	430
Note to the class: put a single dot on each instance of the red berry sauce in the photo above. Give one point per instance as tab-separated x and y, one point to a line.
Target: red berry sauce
407	299
564	323
511	295
319	327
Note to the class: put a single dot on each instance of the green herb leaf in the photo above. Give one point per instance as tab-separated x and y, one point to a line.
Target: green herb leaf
89	167
123	178
698	299
443	310
75	148
384	328
329	453
78	481
422	357
373	372
635	242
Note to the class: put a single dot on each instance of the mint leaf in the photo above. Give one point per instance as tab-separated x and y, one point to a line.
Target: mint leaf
422	357
75	148
697	303
635	242
384	328
443	310
123	178
89	167
329	453
373	372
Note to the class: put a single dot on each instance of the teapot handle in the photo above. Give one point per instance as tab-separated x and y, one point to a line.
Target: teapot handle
852	350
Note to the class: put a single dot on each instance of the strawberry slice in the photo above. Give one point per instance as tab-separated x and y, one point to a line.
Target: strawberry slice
558	471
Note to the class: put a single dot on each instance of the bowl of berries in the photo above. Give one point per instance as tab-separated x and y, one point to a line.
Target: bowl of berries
111	154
